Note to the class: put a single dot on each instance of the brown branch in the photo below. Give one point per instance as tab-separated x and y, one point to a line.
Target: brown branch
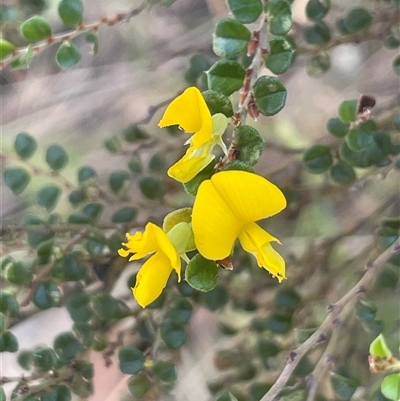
327	325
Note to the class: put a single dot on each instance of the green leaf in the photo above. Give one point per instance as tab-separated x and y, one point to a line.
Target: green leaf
113	144
67	346
76	197
173	334
192	186
56	392
357	20
48	197
157	162
8	342
79	308
379	348
151	187
225	76
93	40
390	387
180	310
358	139
280	17
44	251
135	165
8	304
227	396
245	11
238	165
347	111
365	310
279	57
218	103
119	182
86	175
355	159
230	38
25	145
46	295
104	306
69	269
124	215
23	61
317	159
249	143
56	157
387	278
396	64
201	273
44	359
35	29
68	55
43	233
337	127
164	371
342	173
343	387
269	95
318	34
19	273
267	349
92	211
139	385
71	12
17	179
131	360
318	65
278	323
288	298
317	9
24	359
134	133
6	48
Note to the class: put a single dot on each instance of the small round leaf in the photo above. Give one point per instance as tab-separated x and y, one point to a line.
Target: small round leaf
119	181
365	309
249	143
124	215
357	20
225	76
317	159
151	187
57	392
46	295
139	385
165	371
8	342
6	48
48	197
317	9
25	145
337	127
218	103
201	273
70	12
19	273
343	387
44	359
245	11
8	304
342	173
280	55
390	386
318	34
280	17
66	346
134	133
131	360
173	334
56	157
35	29
68	55
86	175
79	308
318	65
347	111
270	95
17	179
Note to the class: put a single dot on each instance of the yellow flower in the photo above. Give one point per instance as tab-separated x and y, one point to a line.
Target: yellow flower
153	275
191	113
226	207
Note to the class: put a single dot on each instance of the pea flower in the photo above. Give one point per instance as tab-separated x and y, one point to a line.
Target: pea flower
226	207
167	249
190	112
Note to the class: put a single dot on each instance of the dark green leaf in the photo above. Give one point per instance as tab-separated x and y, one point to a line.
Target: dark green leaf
365	309
245	11
269	95
347	111
192	186
317	9
226	76
318	34
8	342
79	308
56	157
318	159
157	162
343	387
68	55
6	48
131	360
124	215
69	269
180	310
135	165
8	304
104	306
357	20
119	181
24	359
278	323
342	173
87	175
165	371
355	159
46	295
230	38
215	298
135	133
249	143
25	145
19	273
387	278
43	233
318	65
337	127
279	57
76	197
113	144
201	273
67	346
151	187
48	197
375	327
139	385
92	210
173	334
218	103
44	359
71	12
280	17
35	29
288	298
396	64
267	349
17	179
358	139
57	392
340	25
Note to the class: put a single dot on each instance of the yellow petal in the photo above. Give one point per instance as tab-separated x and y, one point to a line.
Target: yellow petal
152	279
257	241
189	166
140	244
215	228
191	113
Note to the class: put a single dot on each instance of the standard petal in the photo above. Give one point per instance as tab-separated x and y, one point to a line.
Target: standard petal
191	113
215	228
249	196
152	279
189	166
257	241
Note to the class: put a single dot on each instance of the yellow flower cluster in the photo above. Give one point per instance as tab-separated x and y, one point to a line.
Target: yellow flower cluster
226	207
